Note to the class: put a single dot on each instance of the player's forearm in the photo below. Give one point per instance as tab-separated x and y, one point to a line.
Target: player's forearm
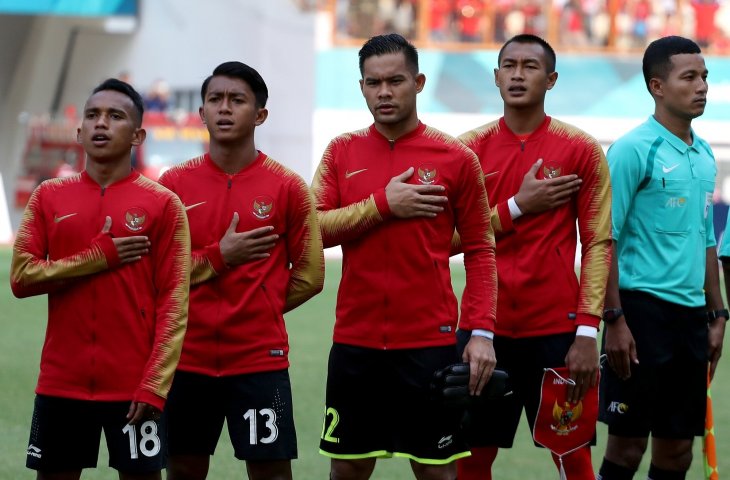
713	297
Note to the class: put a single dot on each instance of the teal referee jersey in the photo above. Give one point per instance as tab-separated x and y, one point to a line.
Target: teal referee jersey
662	212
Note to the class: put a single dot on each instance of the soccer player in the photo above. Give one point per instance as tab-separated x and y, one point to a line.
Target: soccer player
111	250
665	317
257	254
391	195
533	165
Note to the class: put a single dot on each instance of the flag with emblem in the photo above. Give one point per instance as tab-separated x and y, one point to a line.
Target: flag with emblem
562	426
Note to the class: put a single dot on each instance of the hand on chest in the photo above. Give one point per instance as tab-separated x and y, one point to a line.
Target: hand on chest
210	217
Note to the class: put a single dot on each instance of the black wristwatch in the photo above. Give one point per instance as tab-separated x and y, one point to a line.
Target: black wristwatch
715	314
610	315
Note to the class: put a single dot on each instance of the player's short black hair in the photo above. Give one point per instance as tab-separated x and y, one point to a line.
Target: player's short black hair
550	57
389	43
125	89
657	62
243	72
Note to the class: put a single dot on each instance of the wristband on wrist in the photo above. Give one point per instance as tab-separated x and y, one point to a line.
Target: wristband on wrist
610	315
713	315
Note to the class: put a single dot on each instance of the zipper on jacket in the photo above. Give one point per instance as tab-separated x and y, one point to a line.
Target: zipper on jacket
392	144
522	145
103	189
230	182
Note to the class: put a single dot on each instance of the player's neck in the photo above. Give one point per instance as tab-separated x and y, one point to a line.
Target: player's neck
107	172
522	122
679	126
393	131
233	157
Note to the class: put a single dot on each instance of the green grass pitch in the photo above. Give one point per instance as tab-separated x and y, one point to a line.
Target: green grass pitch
310	330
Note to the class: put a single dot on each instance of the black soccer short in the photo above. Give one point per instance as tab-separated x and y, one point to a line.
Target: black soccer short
494	423
257	407
666	394
65	435
379	405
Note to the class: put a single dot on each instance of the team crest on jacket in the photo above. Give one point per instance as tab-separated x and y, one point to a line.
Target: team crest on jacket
263	207
565	416
551	172
427	174
134	219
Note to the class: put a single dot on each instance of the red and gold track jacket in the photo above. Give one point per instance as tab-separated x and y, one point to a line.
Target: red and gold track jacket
539	293
237	314
114	331
396	288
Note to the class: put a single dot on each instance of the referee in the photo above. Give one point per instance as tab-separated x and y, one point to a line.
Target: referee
664	314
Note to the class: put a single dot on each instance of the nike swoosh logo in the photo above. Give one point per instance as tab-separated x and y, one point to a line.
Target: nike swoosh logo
669	169
190	207
491	173
58	219
350	174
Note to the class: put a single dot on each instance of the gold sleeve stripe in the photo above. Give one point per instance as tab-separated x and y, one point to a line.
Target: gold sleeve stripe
484	274
307	273
172	308
594	222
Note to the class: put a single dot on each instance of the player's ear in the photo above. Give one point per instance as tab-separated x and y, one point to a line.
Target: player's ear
656	87
78	135
551	79
201	112
496	78
420	82
261	116
139	135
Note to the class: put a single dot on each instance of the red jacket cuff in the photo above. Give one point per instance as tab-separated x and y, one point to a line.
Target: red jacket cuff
213	252
149	398
381	203
106	243
587	319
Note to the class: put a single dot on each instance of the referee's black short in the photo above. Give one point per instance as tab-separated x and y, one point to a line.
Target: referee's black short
494	423
666	394
66	432
379	405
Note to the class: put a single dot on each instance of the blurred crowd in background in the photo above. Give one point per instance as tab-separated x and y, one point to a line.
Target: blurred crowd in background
610	25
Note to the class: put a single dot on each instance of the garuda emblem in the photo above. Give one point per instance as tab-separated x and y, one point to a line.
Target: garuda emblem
134	219
262	207
427	174
565	416
551	172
